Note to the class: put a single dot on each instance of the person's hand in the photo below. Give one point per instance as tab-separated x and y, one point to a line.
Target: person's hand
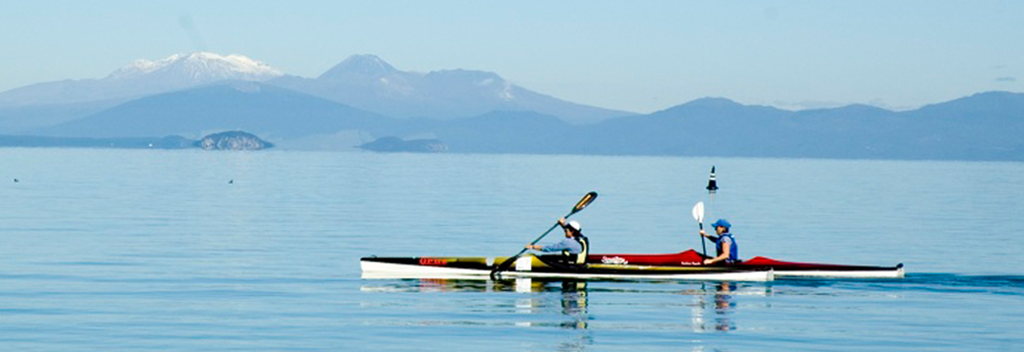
708	261
703	234
561	221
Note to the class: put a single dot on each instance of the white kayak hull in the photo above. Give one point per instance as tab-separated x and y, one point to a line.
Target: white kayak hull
381	270
897	273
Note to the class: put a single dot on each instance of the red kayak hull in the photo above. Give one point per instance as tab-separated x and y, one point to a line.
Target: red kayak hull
782	268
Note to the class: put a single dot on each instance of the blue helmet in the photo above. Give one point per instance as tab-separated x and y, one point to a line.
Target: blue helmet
722	222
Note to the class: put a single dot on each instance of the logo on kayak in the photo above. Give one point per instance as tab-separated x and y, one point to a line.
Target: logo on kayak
614	260
433	261
690	263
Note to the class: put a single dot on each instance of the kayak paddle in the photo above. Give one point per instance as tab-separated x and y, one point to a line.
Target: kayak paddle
712	189
583	203
698	214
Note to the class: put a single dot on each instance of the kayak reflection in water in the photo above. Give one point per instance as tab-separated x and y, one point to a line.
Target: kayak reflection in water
728	251
574	246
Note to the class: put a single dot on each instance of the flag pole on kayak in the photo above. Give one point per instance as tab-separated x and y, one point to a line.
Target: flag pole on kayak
583	203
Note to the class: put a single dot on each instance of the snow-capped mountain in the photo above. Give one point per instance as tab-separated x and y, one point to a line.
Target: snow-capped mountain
142	78
199	67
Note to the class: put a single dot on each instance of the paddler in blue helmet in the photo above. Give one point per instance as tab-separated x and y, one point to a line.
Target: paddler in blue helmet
728	251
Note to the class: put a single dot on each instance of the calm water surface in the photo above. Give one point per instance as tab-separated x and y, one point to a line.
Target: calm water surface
121	250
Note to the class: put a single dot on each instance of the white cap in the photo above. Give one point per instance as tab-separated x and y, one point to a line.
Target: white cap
575	225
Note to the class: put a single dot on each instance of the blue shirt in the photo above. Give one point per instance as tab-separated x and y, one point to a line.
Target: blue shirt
734	250
573	246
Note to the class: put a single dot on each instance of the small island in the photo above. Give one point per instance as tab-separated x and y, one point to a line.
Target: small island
232	140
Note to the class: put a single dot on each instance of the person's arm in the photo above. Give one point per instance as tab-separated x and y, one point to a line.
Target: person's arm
726	246
561	245
710	237
551	247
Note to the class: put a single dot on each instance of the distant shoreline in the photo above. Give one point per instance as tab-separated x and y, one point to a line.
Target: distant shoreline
233	140
170	142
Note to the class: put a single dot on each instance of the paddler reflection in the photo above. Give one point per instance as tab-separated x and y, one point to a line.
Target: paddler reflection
574	304
572	301
716	314
724	305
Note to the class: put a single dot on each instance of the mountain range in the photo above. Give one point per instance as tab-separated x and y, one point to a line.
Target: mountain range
367	82
362	81
364	98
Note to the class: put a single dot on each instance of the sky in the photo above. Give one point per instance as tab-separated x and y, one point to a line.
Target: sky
638	56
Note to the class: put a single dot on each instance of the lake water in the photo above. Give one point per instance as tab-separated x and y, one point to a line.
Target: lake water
134	250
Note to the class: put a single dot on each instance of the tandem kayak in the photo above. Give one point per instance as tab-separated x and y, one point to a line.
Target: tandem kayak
547	267
782	269
686	265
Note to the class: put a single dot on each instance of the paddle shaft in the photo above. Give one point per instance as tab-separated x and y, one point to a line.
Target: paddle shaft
583	203
508	262
698	214
532	243
703	247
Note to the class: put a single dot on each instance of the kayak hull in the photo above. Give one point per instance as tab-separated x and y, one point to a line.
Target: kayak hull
544	267
782	269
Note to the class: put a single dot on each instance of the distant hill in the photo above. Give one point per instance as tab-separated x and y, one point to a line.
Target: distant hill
369	83
268	111
985	126
21	119
506	132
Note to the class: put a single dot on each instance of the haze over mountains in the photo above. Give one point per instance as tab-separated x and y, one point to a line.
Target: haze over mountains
363	98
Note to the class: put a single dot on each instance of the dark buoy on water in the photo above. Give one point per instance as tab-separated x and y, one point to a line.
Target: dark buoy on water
15	180
712	185
231	182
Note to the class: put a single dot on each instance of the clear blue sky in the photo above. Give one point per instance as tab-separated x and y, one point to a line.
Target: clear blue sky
639	56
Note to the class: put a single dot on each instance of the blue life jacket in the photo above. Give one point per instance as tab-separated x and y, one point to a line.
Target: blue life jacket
734	249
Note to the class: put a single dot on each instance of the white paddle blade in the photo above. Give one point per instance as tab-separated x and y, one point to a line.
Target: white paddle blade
698	212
